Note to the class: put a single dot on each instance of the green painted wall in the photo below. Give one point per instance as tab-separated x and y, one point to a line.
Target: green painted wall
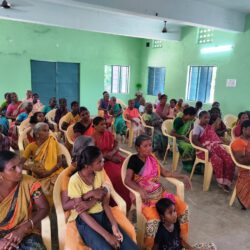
231	65
21	42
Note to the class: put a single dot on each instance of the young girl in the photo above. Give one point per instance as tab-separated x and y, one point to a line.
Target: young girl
168	234
97	225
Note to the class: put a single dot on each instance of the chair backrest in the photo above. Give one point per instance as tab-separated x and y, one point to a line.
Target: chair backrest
51	115
61	123
167	126
230	120
64	151
119	101
232	133
24	124
70	134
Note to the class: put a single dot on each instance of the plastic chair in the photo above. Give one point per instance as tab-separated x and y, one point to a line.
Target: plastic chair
119	101
50	116
60	212
166	129
141	220
232	134
230	120
208	173
130	131
147	126
46	233
70	134
24	124
232	199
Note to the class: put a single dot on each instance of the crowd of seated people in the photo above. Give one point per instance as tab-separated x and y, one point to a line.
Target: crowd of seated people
93	219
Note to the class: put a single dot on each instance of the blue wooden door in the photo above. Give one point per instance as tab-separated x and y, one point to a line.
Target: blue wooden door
57	79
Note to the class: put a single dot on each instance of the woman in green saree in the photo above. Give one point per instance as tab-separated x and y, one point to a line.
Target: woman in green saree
115	109
181	129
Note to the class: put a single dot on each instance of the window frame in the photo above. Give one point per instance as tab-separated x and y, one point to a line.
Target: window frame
213	83
119	78
164	82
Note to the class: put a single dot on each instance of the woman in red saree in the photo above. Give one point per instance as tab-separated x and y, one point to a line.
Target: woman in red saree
143	175
104	140
204	136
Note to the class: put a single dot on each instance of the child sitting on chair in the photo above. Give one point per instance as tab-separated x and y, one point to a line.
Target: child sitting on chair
168	233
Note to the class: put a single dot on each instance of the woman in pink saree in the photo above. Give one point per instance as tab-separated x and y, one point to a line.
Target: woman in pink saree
204	136
143	175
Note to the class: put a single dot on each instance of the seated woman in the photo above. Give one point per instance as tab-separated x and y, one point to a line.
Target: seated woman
37	105
52	105
215	118
162	109
4	105
5	124
242	116
61	111
28	106
22	206
181	128
103	105
46	161
204	136
4	140
133	115
14	108
115	109
104	140
153	119
71	117
73	240
172	109
143	175
84	126
241	151
97	226
179	105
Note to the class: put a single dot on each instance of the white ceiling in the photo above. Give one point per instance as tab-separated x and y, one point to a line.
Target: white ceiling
135	18
237	5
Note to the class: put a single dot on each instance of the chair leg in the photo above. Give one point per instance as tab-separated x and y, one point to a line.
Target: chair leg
141	228
193	169
232	197
208	173
130	137
166	154
176	156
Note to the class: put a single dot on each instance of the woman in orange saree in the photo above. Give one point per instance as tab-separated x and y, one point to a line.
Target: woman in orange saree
105	141
143	175
22	206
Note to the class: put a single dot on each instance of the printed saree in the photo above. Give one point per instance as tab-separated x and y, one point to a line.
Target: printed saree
243	180
119	124
16	208
222	163
149	179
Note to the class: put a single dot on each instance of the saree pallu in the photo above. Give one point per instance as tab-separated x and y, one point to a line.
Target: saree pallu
119	124
222	162
149	179
46	156
186	150
16	208
106	144
73	240
243	180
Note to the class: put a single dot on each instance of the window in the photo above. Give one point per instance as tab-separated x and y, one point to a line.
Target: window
201	83
156	80
205	36
116	78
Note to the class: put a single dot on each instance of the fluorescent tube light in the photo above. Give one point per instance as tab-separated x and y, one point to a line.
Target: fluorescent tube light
217	49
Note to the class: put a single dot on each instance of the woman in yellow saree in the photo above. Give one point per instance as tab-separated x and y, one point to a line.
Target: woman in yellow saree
73	240
143	175
45	159
22	206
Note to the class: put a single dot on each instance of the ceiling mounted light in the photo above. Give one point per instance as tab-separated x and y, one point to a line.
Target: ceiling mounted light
217	49
5	4
164	30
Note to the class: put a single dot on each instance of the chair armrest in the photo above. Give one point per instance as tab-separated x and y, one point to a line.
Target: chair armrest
179	186
119	201
46	232
125	151
226	147
205	151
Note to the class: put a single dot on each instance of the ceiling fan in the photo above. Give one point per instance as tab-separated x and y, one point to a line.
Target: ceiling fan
165	30
5	4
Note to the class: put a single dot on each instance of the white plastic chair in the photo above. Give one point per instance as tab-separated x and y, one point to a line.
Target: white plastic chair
46	233
70	134
166	128
141	220
50	116
148	127
230	120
